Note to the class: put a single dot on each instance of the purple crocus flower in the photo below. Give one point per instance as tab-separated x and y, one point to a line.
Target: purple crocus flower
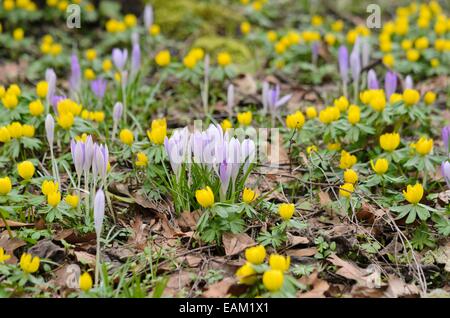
77	150
117	111
119	58
343	63
99	211
390	83
365	51
273	98
408	82
100	160
372	81
225	171
50	78
177	149
445	171
248	152
98	87
315	51
75	73
88	153
135	54
445	136
234	157
355	62
50	129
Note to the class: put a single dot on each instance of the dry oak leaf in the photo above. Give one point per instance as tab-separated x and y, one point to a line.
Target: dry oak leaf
85	258
219	289
319	286
236	243
304	252
398	288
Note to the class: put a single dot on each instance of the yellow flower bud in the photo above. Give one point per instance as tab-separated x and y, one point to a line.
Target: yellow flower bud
85	282
142	159
107	65
246	274
311	112
346	190
223	59
54	198
158	131
429	97
154	29
256	254
36	108
245	27
72	200
413	194
389	141
411	97
205	197
28	131
286	210
341	103
354	114
248	195
424	146
347	160
279	262
350	176
244	118
26	170
380	167
65	120
126	136
226	124
5	136
163	58
5	185
10	101
273	280
295	120
29	264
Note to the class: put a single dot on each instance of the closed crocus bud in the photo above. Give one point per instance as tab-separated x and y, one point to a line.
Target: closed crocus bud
380	167
99	211
256	254
26	170
135	56
413	194
355	63
205	197
119	58
85	282
346	190
273	279
408	84
445	171
343	63
54	198
389	141
390	83
5	185
286	210
350	176
75	73
248	195
148	16
50	129
117	111
77	149
372	81
445	136
50	78
29	264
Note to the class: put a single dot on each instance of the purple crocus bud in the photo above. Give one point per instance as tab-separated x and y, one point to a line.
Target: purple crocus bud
390	83
248	152
117	111
234	157
225	171
408	82
99	211
75	73
445	137
445	171
355	62
148	16
77	150
135	57
100	160
315	51
273	99
372	81
119	58
365	51
50	129
50	78
198	141
343	63
98	87
88	153
230	99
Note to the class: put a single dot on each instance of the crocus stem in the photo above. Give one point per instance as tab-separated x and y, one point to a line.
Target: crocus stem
114	131
344	88
355	91
97	261
124	97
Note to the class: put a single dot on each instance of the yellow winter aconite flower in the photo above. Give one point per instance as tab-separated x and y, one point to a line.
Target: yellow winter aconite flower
249	195
413	194
126	136
337	26
354	114
279	262
273	279
107	65
69	106
14	89
223	59
189	61
256	254
158	131
130	20
15	129
245	27
89	74
411	97
36	108
91	54
42	89
424	146
295	120
49	186
142	159
389	141
10	101
85	282
26	170
5	136
286	210
330	39
380	167
5	185
396	97
334	146
346	190
246	274
377	100
28	131
311	112
412	55
205	197
347	160
388	60
154	29
429	97
350	176
3	257
54	198
226	124
163	58
29	264
310	149
72	200
18	34
329	114
271	36
244	118
341	103
65	120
